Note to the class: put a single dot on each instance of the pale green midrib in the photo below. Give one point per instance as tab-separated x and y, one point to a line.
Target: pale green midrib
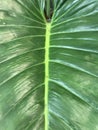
47	44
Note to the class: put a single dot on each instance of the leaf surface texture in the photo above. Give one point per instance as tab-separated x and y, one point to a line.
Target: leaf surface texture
48	71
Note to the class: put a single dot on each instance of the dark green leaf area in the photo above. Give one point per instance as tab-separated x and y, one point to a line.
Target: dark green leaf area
22	42
73	80
72	9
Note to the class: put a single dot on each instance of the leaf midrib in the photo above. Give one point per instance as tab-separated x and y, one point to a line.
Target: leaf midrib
47	44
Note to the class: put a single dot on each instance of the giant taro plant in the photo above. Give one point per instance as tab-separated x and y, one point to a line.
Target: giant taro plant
48	64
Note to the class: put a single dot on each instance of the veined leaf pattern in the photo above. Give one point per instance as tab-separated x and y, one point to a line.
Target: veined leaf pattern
48	71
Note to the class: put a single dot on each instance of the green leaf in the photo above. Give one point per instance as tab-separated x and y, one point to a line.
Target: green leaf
48	71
